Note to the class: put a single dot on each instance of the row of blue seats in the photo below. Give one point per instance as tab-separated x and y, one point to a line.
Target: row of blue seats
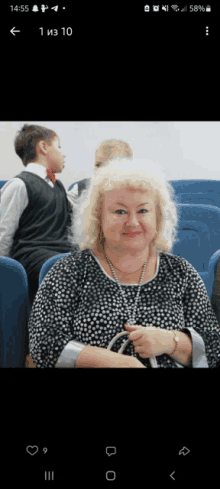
199	223
188	191
197	191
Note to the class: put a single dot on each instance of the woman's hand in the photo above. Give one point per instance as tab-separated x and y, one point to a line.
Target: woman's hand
149	341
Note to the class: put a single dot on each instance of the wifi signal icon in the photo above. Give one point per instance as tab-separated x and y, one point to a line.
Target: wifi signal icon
175	7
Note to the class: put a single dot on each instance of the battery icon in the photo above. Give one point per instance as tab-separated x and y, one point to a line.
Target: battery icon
208	8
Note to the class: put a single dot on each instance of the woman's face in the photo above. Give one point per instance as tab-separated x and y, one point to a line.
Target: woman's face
129	219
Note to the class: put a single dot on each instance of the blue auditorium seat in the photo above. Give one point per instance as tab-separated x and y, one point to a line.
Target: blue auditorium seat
198	235
72	185
14	313
210	276
197	191
2	183
82	185
48	264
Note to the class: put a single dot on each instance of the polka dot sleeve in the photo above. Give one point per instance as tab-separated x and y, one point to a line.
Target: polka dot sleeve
198	314
51	320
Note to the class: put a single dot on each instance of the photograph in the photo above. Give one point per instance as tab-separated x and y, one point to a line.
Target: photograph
109	244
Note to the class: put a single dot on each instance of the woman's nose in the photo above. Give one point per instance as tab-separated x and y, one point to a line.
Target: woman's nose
132	219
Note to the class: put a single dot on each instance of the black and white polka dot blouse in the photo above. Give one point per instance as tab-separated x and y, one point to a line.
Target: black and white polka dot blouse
78	300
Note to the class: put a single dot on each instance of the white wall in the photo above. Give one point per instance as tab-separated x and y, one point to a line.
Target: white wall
185	150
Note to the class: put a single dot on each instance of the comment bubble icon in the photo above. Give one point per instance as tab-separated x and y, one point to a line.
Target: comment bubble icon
110	451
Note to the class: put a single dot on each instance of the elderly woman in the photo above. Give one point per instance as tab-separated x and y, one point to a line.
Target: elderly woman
124	279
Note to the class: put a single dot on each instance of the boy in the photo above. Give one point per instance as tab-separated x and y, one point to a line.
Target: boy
35	211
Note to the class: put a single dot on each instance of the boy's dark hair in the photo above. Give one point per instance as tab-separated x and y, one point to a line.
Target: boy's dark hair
26	141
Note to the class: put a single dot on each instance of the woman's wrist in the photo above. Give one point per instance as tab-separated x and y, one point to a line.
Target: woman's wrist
173	340
180	349
167	340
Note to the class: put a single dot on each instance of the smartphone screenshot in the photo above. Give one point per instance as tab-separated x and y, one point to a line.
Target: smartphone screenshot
109	244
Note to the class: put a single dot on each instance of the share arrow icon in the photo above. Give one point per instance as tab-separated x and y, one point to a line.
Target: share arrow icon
184	451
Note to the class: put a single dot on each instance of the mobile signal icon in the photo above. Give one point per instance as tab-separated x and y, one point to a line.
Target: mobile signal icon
184	9
175	7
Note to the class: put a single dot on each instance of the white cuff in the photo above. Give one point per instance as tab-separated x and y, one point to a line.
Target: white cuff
69	355
199	359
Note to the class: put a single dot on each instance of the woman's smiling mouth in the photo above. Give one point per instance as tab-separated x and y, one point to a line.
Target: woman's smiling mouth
132	234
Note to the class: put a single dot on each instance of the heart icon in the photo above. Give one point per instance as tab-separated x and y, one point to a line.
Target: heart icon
32	450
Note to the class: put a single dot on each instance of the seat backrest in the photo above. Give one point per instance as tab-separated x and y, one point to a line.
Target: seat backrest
214	261
48	264
2	183
197	191
198	234
209	277
72	185
14	313
82	185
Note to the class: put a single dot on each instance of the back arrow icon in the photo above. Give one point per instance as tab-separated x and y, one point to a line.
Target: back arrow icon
171	475
13	32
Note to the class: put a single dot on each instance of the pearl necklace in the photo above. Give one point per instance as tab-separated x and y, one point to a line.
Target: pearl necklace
131	319
153	361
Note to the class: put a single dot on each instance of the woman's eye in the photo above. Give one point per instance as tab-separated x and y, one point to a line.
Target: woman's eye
119	211
142	211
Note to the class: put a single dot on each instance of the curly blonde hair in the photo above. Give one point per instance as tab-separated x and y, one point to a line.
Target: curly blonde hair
134	174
